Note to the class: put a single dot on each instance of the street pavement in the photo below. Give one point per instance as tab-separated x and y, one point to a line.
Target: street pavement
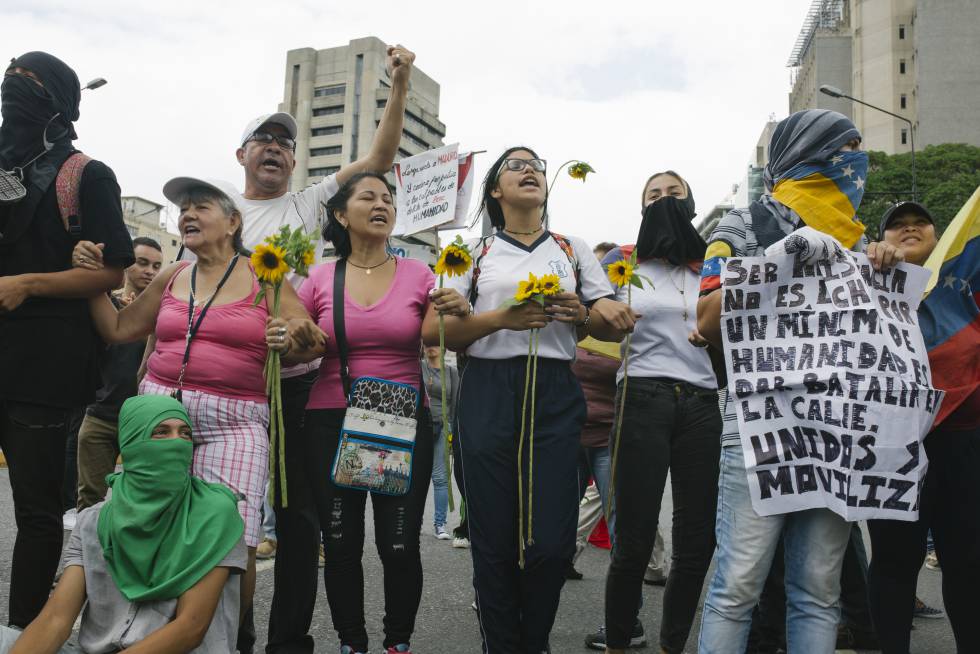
446	624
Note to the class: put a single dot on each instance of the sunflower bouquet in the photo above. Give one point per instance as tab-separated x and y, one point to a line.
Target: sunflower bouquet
533	289
622	273
455	259
282	252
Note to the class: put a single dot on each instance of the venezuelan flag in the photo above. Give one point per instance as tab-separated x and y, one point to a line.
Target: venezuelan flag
826	194
950	318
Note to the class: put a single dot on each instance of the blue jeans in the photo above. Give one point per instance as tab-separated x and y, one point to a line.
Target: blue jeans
814	541
440	479
268	517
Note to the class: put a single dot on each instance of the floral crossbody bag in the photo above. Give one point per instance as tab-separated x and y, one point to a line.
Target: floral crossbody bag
377	440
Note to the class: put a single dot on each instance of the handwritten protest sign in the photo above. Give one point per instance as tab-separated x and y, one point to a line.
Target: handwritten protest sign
464	183
830	382
426	189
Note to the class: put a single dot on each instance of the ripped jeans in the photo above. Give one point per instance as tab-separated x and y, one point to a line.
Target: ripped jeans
397	524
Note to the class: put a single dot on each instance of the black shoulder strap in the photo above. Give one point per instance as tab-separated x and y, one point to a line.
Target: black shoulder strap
340	332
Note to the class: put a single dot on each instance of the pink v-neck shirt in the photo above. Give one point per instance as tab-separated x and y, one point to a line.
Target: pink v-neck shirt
383	340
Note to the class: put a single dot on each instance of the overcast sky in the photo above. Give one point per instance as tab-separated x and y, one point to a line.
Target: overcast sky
631	87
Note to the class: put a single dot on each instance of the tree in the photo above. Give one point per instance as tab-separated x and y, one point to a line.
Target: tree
946	175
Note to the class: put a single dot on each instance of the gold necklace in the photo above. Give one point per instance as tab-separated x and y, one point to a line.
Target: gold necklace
367	269
680	289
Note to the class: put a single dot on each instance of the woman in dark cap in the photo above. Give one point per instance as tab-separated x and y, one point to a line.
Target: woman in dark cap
670	424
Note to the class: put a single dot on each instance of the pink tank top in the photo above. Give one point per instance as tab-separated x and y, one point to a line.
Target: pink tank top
227	354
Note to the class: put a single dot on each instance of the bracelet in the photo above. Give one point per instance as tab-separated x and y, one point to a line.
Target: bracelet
588	319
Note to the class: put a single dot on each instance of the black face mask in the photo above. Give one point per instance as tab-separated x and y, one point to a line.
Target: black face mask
26	108
667	233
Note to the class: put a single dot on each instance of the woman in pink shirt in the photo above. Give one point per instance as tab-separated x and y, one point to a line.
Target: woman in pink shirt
386	301
211	345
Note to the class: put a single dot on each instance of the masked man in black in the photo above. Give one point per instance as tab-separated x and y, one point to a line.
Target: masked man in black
47	344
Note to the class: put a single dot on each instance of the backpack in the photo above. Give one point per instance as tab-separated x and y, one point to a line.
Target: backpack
486	241
68	189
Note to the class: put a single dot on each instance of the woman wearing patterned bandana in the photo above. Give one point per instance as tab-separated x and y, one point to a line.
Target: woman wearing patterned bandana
814	184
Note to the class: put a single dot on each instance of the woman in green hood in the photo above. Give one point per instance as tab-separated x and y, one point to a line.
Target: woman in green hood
159	561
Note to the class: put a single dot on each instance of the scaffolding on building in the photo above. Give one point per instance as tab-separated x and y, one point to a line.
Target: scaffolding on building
823	15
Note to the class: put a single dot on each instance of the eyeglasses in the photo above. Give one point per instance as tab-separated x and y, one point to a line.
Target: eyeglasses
517	165
265	138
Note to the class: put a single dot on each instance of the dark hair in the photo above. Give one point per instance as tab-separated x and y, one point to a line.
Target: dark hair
333	231
491	204
148	242
605	247
689	200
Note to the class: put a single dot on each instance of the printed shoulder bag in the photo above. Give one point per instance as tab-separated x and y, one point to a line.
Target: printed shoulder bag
377	439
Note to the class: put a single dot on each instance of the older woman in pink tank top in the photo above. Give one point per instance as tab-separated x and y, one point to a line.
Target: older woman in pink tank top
210	345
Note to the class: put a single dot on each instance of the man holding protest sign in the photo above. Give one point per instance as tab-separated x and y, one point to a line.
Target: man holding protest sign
815	181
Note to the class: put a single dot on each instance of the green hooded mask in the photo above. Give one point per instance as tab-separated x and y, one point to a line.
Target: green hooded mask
162	530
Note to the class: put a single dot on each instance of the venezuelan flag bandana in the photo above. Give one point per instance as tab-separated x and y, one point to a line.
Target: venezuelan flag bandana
826	194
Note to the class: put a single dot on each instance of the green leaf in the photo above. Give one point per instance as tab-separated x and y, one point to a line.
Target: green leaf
259	296
635	281
633	258
508	303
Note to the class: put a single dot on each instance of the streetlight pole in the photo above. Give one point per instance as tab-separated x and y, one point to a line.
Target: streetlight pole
835	92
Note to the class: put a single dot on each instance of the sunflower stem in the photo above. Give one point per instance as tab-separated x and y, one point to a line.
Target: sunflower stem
536	337
446	428
520	457
619	411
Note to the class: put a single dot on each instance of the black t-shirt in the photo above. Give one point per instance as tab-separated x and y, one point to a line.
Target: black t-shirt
48	346
118	365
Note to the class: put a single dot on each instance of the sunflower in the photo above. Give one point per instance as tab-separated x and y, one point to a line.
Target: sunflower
269	262
549	285
620	272
527	289
454	260
579	170
308	257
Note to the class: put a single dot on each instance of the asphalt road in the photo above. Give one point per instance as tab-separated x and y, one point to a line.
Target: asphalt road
446	623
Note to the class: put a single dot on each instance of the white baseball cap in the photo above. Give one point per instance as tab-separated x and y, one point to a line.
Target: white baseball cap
280	118
175	189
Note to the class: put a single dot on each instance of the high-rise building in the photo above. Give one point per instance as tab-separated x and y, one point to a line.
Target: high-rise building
338	96
143	218
914	58
822	55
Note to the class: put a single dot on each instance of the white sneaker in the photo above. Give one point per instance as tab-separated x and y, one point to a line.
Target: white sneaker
461	543
441	533
68	520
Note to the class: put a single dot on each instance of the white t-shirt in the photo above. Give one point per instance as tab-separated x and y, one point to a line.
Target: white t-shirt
659	345
509	261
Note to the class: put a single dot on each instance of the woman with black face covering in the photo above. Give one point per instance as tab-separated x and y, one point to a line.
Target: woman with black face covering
671	422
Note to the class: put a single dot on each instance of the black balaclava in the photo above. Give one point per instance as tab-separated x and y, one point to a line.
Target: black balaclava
27	108
667	233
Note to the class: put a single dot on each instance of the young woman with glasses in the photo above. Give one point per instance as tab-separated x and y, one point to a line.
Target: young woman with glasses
517	605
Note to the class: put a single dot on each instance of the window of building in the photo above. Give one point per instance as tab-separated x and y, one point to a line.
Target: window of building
322	172
905	137
320	152
402	152
173	242
384	84
901	66
382	103
901	31
336	89
414	139
327	131
326	111
902	101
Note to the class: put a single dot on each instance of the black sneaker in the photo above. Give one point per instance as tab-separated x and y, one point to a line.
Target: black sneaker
571	572
597	640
